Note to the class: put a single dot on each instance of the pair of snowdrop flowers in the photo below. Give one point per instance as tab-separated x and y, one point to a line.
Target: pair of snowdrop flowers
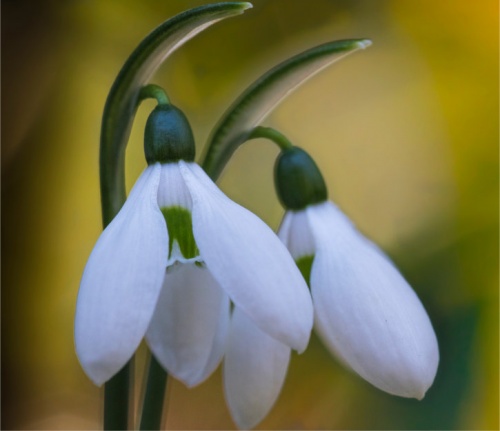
179	252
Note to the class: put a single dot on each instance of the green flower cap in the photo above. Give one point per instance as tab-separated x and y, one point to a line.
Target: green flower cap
168	136
297	179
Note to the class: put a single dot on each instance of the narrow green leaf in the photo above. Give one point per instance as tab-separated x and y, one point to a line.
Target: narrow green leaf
122	100
258	100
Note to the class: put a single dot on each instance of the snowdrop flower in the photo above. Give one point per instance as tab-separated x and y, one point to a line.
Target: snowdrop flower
365	312
167	267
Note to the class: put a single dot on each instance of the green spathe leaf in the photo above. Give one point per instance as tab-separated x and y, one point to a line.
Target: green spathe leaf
258	100
122	100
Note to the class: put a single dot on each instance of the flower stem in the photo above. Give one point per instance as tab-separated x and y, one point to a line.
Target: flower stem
272	134
116	399
153	91
154	395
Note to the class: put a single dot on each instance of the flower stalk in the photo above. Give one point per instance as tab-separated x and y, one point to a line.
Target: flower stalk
117	397
154	396
153	91
273	135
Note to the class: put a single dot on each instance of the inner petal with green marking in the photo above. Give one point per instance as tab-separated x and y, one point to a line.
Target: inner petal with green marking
304	264
182	246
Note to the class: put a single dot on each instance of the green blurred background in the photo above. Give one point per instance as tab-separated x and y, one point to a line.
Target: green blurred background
406	134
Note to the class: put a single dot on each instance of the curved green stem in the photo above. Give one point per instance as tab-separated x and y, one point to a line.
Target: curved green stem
273	135
153	91
154	396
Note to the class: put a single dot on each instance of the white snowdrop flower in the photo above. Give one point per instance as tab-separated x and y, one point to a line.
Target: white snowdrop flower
365	311
167	267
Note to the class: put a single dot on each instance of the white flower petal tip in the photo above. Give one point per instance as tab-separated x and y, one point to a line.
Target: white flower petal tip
121	282
101	368
249	262
255	368
366	312
189	328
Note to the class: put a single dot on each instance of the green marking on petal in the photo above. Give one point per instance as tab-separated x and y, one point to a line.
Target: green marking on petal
180	230
304	264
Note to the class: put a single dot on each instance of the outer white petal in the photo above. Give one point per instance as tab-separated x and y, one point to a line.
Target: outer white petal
366	312
249	262
188	331
255	367
121	282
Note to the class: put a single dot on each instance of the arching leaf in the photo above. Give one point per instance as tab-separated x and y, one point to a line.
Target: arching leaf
258	100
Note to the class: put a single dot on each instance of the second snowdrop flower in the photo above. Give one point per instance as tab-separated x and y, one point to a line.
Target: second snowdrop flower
171	261
365	311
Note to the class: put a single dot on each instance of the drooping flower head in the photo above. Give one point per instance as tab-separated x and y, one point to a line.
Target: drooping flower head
169	264
365	312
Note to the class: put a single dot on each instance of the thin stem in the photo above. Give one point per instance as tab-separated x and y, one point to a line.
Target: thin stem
154	396
116	399
272	134
153	91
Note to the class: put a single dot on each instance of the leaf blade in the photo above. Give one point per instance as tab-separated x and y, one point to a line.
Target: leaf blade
261	97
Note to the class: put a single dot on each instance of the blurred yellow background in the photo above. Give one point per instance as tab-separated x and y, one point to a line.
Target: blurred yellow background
406	134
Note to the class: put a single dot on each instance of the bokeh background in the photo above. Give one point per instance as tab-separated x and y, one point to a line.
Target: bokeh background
406	134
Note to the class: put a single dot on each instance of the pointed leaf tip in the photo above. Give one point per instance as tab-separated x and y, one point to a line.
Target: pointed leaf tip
246	5
363	44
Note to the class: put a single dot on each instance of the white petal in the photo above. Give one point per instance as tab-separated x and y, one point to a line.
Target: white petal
295	233
121	282
284	229
249	262
255	367
188	331
366	312
173	190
